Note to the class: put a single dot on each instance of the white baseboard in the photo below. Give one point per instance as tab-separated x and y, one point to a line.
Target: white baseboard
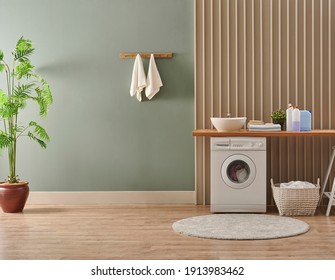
126	197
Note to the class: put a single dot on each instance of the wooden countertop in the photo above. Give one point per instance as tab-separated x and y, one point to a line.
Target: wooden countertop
246	132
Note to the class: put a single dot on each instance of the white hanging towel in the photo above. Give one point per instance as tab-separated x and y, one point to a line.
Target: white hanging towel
154	81
138	80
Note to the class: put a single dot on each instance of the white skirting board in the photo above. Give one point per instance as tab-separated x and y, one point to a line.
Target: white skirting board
126	197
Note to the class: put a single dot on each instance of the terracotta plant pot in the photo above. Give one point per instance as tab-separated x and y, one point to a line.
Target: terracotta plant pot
13	197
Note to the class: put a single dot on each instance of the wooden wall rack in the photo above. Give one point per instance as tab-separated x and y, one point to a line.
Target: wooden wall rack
147	55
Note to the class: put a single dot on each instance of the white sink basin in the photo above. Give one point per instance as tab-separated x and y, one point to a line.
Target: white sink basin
228	124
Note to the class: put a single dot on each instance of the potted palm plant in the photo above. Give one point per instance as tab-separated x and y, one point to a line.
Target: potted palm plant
22	87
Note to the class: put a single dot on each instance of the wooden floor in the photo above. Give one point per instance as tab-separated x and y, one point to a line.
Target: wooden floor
135	232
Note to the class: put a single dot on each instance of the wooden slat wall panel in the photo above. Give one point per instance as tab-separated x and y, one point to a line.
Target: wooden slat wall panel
255	56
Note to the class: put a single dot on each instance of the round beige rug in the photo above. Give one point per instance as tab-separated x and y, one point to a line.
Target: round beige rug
240	226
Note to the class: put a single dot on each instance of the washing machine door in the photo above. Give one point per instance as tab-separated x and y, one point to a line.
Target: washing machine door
238	171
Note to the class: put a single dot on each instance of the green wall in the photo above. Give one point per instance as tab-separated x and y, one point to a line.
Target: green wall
102	139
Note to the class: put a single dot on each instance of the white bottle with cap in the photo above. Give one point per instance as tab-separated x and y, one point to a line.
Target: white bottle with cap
289	111
296	119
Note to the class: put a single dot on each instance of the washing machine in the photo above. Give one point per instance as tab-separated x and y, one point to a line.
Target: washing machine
238	174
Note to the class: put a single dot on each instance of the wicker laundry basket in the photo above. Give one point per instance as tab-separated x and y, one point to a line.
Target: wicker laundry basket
296	202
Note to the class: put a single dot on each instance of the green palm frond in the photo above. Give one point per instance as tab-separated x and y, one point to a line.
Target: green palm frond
40	131
20	128
23	90
20	103
8	110
5	140
44	98
1	55
39	141
23	50
3	98
24	69
2	67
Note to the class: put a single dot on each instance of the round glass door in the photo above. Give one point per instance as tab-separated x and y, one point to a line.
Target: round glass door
238	171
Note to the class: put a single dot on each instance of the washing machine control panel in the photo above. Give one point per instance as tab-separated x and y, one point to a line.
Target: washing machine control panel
239	143
257	144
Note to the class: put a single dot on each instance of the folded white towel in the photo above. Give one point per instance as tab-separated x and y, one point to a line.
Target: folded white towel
264	126
138	81
297	185
268	129
154	81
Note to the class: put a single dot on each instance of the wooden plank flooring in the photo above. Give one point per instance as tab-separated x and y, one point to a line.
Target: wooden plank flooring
136	232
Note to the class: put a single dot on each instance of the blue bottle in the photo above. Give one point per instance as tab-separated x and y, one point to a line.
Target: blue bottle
305	120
